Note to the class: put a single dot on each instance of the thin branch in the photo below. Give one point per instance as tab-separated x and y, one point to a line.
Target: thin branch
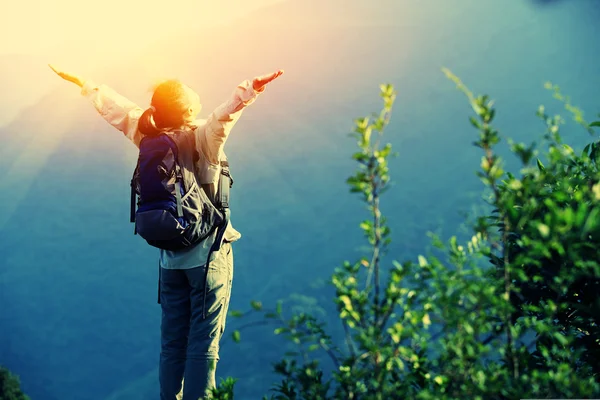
506	264
324	346
376	248
349	340
331	355
254	323
250	325
388	315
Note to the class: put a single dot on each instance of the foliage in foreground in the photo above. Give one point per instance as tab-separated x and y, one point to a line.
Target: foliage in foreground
10	387
510	314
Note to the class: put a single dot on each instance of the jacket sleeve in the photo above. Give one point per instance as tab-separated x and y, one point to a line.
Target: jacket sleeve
222	119
117	110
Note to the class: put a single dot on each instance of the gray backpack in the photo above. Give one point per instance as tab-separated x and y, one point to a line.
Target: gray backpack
173	210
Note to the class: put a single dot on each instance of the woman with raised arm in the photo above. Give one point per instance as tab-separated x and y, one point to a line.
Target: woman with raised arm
194	300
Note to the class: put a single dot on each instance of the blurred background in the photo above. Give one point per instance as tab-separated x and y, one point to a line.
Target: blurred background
78	312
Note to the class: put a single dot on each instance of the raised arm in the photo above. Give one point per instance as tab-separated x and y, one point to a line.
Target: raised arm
117	110
223	118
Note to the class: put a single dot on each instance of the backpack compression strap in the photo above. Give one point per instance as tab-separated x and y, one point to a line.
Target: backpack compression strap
134	196
222	203
224	186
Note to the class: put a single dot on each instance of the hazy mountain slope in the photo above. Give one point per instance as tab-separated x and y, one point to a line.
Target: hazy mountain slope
23	82
80	319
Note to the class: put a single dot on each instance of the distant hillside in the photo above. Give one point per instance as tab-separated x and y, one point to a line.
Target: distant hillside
23	82
80	319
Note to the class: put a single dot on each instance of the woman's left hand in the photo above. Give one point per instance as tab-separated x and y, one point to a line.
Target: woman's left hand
259	83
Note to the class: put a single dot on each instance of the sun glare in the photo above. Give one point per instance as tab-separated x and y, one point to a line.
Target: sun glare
108	26
75	33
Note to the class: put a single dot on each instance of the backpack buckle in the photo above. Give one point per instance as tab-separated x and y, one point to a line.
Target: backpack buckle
226	172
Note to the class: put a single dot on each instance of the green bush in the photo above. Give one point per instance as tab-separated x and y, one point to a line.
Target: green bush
10	388
510	314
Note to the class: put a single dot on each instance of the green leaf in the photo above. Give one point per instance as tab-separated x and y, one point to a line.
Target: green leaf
279	307
568	149
592	221
475	122
595	123
313	347
257	305
236	336
346	301
360	156
362	123
426	320
235	313
594	151
278	331
561	339
544	230
540	165
586	149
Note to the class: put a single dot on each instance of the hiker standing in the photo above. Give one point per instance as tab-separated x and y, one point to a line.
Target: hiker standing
182	158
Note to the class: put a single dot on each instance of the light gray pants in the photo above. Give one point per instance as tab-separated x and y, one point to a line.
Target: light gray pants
190	344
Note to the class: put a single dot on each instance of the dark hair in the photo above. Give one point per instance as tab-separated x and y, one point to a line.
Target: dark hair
168	105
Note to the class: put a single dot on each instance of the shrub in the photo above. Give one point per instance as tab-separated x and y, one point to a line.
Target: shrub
512	313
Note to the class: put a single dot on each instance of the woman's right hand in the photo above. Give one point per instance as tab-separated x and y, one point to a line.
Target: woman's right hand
68	77
259	83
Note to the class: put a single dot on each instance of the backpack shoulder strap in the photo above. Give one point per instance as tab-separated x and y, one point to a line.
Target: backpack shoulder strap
184	139
134	180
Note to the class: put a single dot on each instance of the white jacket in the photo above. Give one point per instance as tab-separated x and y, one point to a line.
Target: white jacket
211	135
